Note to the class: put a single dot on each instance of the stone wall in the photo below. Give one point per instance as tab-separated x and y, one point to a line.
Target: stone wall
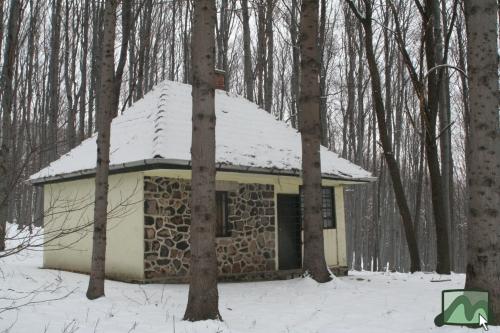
167	218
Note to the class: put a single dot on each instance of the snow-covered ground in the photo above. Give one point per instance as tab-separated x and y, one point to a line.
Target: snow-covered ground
52	301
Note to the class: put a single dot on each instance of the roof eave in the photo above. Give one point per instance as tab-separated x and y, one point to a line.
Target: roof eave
162	163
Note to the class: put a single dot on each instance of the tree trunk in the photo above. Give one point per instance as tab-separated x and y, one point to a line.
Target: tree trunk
83	71
203	299
323	106
1	28
247	50
171	74
295	84
55	44
269	80
104	113
314	253
7	78
392	165
483	260
428	95
261	51
429	110
127	18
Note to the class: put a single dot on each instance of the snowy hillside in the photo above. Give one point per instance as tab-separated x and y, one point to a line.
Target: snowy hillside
361	302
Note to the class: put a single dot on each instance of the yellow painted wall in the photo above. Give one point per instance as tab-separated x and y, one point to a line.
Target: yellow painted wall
69	207
341	233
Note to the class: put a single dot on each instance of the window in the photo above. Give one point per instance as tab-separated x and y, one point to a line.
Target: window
222	227
328	212
328	208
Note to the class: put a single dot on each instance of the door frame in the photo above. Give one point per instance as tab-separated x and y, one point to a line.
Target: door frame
299	242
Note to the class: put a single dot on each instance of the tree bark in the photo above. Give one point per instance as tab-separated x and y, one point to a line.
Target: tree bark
203	299
483	260
247	51
295	84
269	79
261	51
6	78
323	107
55	44
127	23
83	70
314	253
429	110
105	112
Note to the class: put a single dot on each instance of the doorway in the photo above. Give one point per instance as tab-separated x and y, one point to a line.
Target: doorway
289	232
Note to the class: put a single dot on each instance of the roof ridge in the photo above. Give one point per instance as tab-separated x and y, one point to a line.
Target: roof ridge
159	125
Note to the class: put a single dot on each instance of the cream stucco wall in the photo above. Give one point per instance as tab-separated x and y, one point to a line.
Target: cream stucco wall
69	209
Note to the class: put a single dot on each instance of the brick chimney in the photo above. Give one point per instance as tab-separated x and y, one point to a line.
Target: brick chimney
220	79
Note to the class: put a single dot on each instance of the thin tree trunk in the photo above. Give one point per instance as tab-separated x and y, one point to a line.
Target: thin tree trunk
69	79
428	95
295	84
247	51
392	165
483	260
1	28
83	70
203	299
269	80
104	113
322	79
55	44
171	75
314	253
261	51
429	110
127	23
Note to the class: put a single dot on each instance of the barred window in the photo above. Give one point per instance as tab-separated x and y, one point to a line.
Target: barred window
222	226
328	207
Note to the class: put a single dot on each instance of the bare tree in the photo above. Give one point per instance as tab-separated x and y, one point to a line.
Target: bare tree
247	51
427	89
314	253
403	206
104	114
6	86
203	299
83	69
483	247
53	99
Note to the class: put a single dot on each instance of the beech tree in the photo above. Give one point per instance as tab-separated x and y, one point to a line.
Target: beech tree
404	209
105	111
483	246
203	299
310	130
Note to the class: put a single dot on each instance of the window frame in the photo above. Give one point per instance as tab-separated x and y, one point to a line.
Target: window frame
333	207
226	230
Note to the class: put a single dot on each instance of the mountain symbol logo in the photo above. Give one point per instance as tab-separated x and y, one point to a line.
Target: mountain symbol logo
464	307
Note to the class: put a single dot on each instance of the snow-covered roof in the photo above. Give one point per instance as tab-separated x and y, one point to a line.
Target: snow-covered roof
156	131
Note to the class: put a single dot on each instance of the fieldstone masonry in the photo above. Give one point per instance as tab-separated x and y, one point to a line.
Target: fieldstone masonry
167	217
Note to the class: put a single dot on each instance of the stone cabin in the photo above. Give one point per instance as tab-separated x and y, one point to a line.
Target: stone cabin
258	194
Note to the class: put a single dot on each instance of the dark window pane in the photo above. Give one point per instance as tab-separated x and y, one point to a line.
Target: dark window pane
328	211
221	229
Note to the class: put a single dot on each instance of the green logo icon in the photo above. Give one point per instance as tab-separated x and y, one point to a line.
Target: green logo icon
464	307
